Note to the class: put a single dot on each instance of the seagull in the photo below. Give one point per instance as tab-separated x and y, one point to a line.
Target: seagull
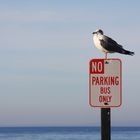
107	44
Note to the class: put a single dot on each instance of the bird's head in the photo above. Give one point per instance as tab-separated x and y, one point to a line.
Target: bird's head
99	31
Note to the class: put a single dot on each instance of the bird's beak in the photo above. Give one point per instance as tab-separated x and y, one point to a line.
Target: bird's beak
94	33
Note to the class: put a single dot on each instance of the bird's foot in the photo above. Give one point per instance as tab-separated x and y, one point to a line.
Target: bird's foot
105	55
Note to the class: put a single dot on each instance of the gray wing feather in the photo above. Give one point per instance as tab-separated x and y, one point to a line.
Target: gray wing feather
110	44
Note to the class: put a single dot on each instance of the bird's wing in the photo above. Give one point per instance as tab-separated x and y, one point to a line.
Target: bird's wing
110	44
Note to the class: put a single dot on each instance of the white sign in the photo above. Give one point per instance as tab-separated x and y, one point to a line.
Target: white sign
105	83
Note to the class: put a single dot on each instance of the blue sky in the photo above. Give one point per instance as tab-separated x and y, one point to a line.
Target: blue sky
45	49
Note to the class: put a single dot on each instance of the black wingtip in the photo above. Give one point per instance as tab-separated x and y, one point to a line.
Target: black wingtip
131	53
128	52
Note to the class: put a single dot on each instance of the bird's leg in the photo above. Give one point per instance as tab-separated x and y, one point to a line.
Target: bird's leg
105	55
106	62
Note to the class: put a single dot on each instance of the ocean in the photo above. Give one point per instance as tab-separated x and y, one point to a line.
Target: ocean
66	133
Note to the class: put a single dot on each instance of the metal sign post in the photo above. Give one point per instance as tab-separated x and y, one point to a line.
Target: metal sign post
105	90
105	124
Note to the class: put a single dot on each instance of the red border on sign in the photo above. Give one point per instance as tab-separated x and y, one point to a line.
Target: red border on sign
120	84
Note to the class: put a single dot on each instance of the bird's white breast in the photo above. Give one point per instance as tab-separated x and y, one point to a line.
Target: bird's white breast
97	42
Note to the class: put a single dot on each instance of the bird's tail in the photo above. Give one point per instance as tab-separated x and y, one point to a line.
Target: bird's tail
127	52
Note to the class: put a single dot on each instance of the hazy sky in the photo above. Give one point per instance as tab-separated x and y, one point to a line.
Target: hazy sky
45	49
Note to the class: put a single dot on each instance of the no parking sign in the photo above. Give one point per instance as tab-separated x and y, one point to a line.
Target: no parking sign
105	83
